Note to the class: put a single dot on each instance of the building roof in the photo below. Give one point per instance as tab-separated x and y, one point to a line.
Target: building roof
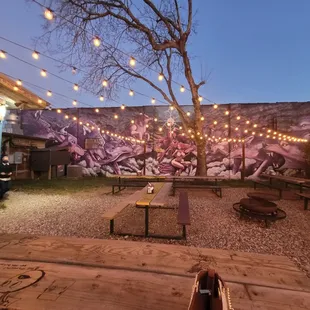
20	99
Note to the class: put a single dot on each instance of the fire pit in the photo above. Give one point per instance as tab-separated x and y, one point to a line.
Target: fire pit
259	208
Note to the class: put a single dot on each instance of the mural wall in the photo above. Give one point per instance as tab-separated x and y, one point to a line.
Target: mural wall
168	150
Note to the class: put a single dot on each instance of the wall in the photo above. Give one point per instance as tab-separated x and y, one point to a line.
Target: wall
170	152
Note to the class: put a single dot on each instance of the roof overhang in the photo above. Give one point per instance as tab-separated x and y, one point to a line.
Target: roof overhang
21	98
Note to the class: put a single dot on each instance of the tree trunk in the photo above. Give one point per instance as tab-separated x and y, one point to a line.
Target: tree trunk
201	158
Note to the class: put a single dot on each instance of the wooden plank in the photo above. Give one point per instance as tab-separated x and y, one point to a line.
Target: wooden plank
161	198
303	195
80	287
183	212
115	211
147	198
248	268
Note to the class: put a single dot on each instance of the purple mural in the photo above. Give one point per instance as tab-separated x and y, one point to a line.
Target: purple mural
168	150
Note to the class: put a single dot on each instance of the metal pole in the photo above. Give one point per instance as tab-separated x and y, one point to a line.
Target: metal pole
144	160
243	161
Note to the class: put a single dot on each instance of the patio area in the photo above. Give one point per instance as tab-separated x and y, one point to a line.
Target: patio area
214	223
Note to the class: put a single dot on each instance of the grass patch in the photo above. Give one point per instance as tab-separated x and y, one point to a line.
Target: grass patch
60	186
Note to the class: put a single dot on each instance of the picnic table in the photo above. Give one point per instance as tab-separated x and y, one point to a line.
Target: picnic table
300	182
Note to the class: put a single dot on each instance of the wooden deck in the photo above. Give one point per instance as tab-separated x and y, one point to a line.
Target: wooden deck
74	273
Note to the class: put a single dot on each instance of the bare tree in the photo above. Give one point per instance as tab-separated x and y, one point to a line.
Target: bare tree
155	31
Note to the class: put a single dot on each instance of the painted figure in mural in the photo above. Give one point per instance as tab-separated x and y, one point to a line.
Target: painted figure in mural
5	175
138	129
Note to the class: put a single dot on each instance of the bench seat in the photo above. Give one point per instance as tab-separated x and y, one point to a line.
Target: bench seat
183	212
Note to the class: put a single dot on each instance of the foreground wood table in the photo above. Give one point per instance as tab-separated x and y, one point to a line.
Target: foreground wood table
74	273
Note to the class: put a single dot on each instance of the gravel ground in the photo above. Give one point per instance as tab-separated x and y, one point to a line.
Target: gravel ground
214	223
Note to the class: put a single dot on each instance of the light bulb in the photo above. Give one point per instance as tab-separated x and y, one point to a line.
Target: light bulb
202	118
96	41
153	101
260	134
247	122
182	89
236	128
238	118
215	122
74	118
171	107
74	102
132	121
275	133
160	77
43	73
115	116
188	113
180	127
19	82
76	87
97	110
81	123
131	92
200	98
246	131
49	93
132	62
101	98
39	101
160	129
48	13
104	83
269	130
226	112
253	133
2	54
15	88
255	125
58	111
66	116
226	125
35	55
155	119
215	106
122	107
74	70
189	130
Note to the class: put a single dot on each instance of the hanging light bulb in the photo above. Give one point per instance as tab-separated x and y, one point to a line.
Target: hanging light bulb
247	122
160	77
132	121
131	92
35	55
74	118
153	101
19	82
215	106
101	98
155	119
132	62
15	88
180	127
200	98
188	113
215	122
48	13
171	107
96	41
104	83
253	133
226	112
58	111
246	131
115	116
97	110
39	101
81	123
74	70
74	102
226	125
182	89
255	125
202	118
49	93
76	87
2	54
66	116
43	73
238	118
122	107
160	129
236	128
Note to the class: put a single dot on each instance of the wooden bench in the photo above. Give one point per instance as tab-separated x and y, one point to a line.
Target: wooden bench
183	212
123	186
272	186
114	212
215	188
306	197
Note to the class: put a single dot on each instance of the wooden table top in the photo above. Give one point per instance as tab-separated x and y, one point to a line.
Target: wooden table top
117	274
263	195
146	199
286	178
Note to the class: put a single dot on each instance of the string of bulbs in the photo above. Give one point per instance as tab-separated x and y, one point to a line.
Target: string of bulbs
49	15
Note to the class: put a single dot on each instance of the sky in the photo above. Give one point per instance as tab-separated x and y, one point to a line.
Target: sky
250	50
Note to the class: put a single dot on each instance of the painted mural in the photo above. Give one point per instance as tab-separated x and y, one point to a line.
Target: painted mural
168	149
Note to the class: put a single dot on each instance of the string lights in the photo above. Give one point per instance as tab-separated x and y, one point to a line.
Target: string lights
132	62
35	55
101	98
96	41
43	73
48	13
2	54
